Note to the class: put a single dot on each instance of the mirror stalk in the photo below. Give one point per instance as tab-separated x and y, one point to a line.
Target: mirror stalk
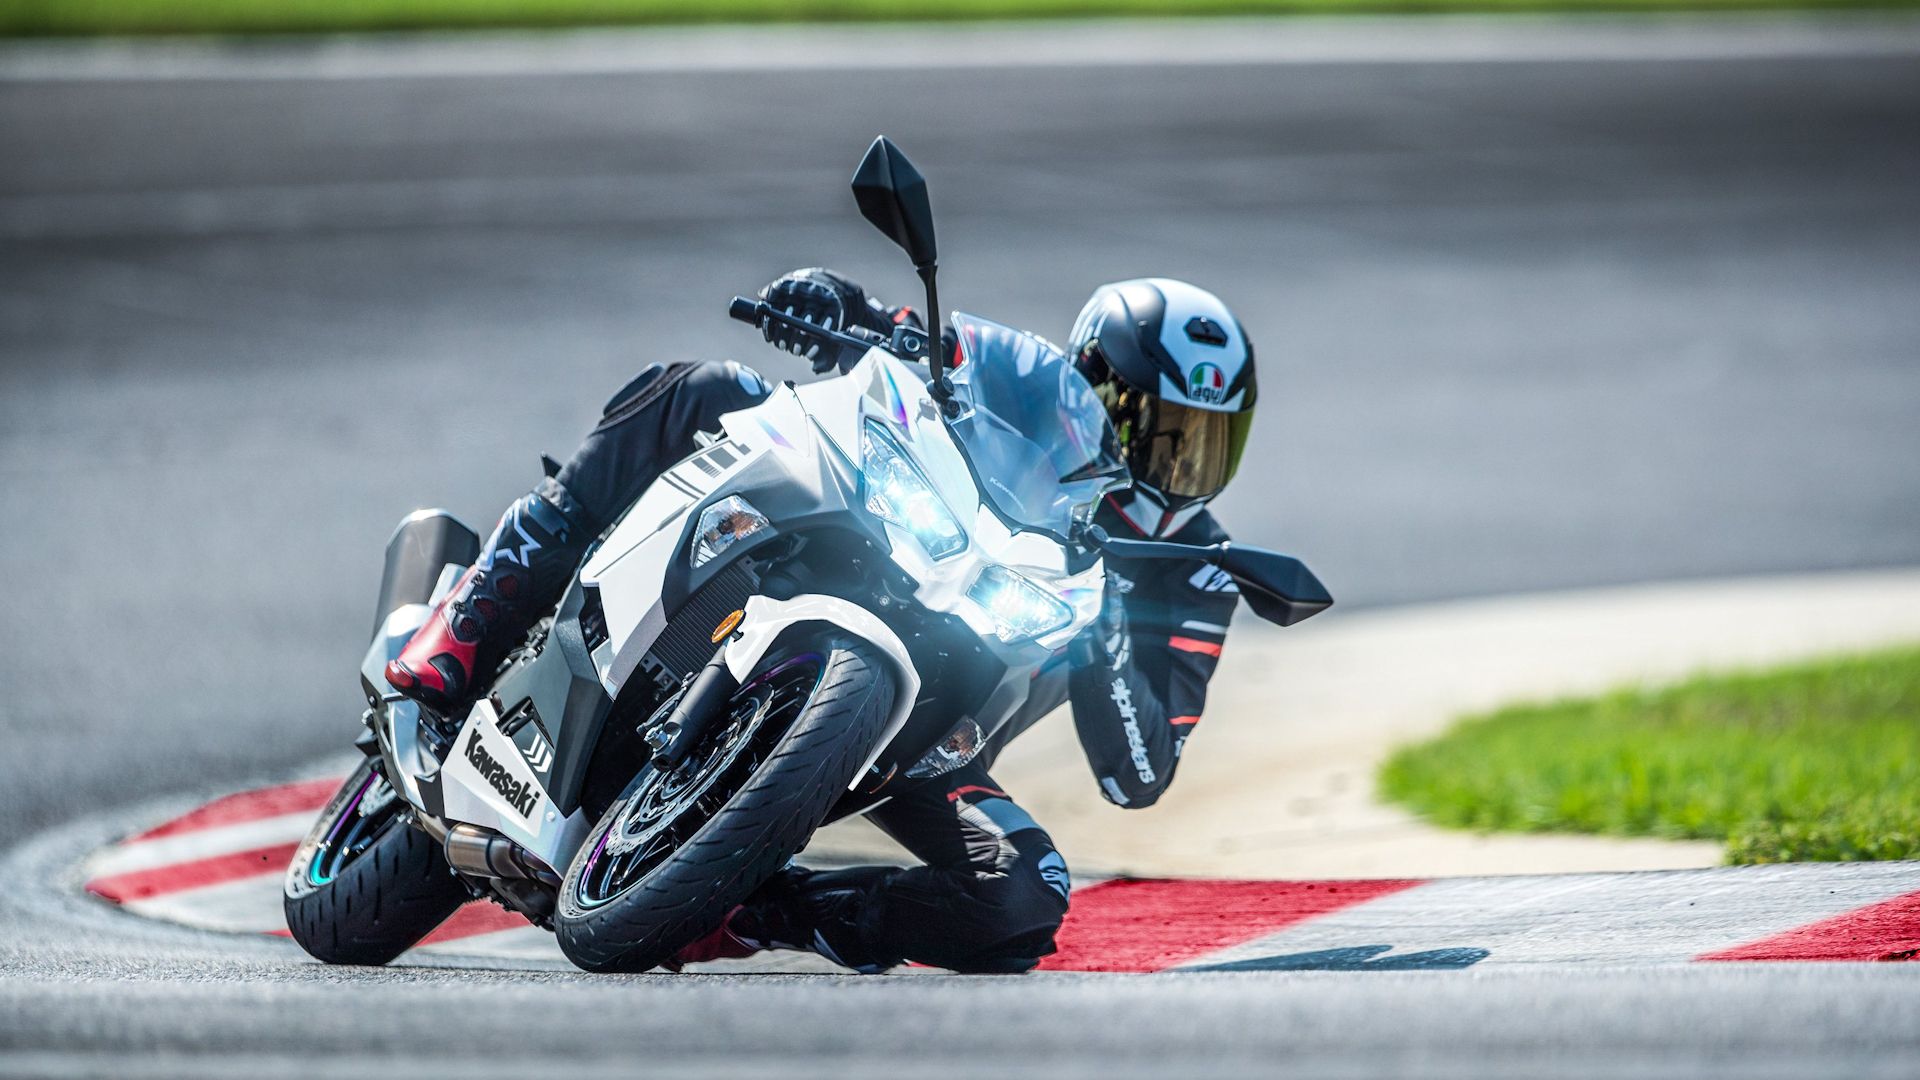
1100	540
940	386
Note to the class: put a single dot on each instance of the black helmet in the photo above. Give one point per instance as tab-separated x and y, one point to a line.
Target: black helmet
1175	370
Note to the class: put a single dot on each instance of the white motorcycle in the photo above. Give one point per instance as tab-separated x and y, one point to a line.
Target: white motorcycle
846	590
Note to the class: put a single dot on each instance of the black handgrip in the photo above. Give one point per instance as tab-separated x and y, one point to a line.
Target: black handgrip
760	313
745	310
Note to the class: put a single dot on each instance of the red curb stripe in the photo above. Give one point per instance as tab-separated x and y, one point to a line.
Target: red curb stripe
1889	930
1150	925
178	877
249	806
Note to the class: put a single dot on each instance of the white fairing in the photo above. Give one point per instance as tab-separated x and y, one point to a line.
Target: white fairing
795	432
883	387
805	442
488	782
766	617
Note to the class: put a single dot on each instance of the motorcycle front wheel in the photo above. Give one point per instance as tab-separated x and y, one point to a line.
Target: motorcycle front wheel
681	847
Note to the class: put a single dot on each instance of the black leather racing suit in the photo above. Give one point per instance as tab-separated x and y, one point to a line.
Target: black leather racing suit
992	890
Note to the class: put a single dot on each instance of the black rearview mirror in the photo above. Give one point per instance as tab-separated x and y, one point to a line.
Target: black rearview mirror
893	195
1279	588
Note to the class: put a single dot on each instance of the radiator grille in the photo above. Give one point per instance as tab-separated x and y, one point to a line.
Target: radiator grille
687	643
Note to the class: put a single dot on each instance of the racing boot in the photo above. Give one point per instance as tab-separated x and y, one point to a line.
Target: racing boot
518	576
725	943
804	911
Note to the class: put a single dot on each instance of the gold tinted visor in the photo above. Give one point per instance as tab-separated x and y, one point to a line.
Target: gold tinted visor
1182	452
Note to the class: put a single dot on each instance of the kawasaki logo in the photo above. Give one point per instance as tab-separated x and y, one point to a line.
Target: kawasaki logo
520	793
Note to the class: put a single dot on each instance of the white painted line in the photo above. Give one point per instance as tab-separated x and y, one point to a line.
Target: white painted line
881	47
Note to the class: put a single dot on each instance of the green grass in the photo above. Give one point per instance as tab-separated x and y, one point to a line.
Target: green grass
82	17
1813	762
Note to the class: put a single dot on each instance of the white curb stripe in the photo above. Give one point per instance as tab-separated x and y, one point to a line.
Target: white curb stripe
250	905
205	843
1637	918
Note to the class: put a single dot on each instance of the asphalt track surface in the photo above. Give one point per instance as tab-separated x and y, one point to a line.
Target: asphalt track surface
1523	325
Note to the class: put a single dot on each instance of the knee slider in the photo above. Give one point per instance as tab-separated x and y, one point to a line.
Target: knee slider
1016	918
1028	900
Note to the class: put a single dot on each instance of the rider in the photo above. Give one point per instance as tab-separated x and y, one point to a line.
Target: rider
1176	372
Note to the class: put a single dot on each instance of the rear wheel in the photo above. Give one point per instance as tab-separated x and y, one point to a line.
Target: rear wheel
679	848
366	885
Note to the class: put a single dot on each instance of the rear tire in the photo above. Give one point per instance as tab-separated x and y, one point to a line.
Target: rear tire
366	886
764	822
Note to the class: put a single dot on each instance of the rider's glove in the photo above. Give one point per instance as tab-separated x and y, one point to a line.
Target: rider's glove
827	300
1106	642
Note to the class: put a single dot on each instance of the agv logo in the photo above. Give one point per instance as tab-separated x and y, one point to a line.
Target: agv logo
1207	384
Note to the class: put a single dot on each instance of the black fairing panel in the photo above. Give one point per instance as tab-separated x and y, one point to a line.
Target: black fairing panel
420	548
559	696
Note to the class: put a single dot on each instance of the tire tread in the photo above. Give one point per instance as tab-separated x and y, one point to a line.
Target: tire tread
381	904
764	825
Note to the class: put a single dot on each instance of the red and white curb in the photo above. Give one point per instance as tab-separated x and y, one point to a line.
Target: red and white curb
219	867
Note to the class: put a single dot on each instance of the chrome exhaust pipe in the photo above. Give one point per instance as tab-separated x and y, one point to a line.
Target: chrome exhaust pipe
482	853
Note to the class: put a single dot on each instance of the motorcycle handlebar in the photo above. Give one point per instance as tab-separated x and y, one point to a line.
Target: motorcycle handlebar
759	313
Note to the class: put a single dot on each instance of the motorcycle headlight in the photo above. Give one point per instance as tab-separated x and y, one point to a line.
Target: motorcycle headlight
723	525
1020	609
897	492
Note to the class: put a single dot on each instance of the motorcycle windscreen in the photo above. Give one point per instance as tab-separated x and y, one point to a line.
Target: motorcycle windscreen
1038	438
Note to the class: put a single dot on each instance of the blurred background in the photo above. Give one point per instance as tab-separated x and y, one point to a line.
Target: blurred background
1539	304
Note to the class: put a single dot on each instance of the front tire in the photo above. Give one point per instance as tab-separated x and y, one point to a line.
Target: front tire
365	885
642	887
